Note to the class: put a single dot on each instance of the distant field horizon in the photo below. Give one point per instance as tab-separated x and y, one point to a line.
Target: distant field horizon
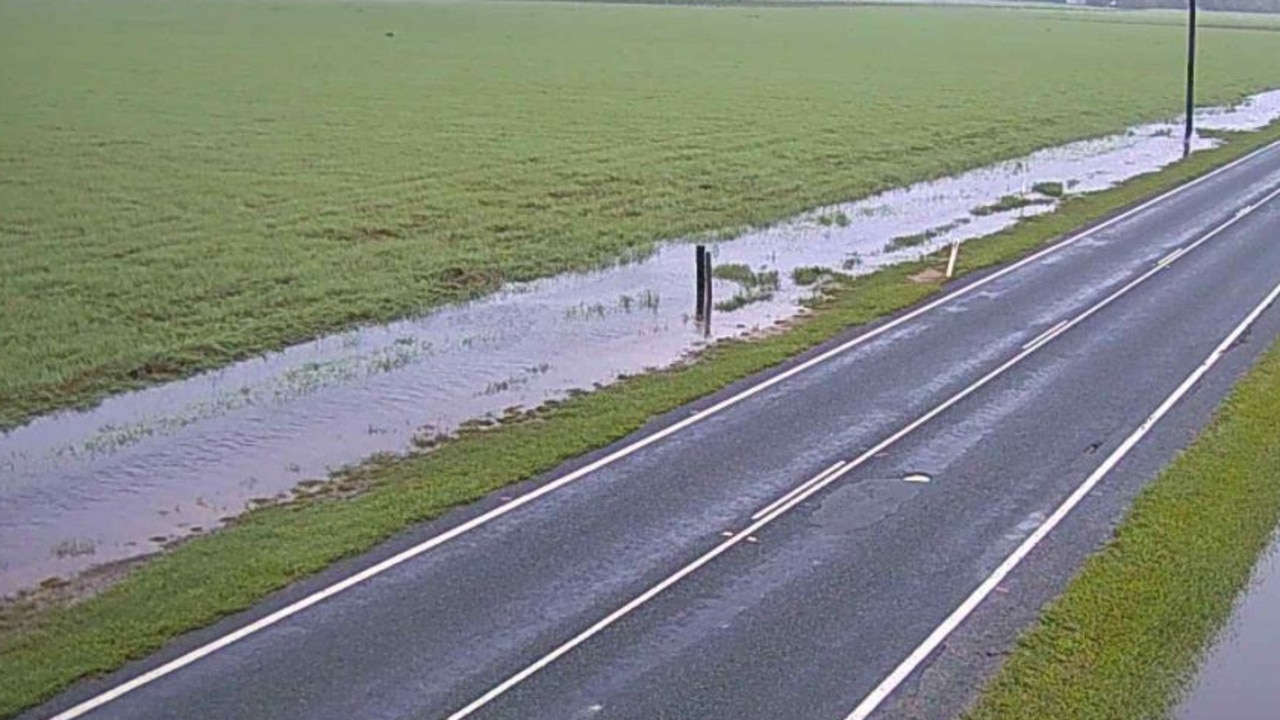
187	183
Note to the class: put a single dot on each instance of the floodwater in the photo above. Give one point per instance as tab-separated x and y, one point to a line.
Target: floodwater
83	488
1237	680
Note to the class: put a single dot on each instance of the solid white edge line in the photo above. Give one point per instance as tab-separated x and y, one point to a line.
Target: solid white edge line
931	643
405	555
815	479
812	487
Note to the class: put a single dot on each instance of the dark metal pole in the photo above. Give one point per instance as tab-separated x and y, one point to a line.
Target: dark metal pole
1191	80
701	255
706	328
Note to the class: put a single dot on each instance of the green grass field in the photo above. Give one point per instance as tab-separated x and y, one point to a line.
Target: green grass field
187	182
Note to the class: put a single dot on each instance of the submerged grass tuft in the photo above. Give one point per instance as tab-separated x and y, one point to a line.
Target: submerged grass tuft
1049	189
742	299
753	287
837	218
1008	203
740	273
804	276
909	241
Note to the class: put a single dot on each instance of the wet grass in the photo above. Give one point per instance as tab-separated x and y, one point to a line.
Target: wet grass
742	299
747	278
1049	189
1127	633
838	219
903	242
187	183
1009	203
210	576
753	287
908	241
809	275
740	273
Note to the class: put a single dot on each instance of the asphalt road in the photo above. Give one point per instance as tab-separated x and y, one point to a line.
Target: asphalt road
645	589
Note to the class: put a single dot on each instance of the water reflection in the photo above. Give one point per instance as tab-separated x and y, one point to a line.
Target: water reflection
82	488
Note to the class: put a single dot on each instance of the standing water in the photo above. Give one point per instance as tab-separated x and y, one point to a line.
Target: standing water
82	488
1238	677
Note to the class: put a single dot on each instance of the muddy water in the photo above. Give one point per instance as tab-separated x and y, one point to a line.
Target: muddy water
1238	677
84	488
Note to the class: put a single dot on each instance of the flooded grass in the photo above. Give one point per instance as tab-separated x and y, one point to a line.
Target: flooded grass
1051	189
903	242
809	275
839	219
1236	678
752	286
1125	636
743	298
257	428
1010	202
745	277
138	250
209	576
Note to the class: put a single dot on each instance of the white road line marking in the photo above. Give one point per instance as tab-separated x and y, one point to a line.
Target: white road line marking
1045	336
817	478
931	643
1168	259
406	555
806	491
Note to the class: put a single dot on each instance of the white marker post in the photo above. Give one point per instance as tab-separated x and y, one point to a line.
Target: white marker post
955	253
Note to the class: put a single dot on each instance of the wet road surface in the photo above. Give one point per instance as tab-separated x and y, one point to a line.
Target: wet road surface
703	574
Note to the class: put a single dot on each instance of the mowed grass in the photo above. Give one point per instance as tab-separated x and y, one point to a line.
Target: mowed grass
187	182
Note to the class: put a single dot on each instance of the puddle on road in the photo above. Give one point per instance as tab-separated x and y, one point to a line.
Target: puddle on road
1237	677
78	489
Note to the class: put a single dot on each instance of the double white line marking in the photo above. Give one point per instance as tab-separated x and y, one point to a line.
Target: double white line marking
886	687
1045	336
832	474
771	507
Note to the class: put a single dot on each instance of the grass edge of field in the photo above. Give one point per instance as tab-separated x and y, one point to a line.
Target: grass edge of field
1125	637
211	576
86	390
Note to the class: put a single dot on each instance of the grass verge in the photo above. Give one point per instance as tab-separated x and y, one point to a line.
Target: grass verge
230	570
1126	634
